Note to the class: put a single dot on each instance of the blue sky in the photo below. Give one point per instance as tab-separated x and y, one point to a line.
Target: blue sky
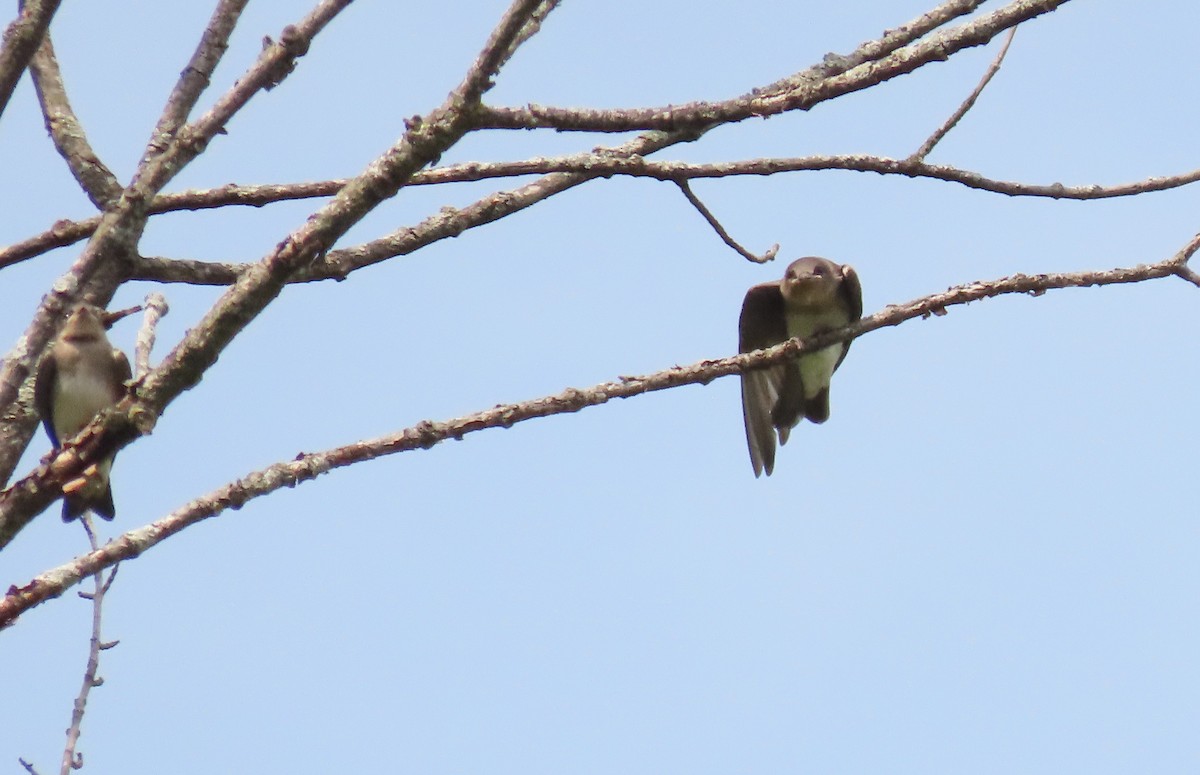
986	561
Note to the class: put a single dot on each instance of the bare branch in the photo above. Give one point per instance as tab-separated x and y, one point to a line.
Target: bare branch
967	104
110	317
21	40
62	233
720	230
72	760
531	23
338	264
616	161
873	50
54	582
96	179
195	77
156	308
1187	273
705	114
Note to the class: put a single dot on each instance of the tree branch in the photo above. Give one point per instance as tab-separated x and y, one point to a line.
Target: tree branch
96	179
967	104
156	308
338	264
21	40
195	77
622	160
720	230
71	760
703	114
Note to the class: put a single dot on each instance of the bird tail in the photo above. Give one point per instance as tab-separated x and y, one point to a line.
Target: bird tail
816	409
101	503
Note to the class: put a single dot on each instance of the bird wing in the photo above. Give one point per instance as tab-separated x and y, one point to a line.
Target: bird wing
761	324
43	394
851	292
122	372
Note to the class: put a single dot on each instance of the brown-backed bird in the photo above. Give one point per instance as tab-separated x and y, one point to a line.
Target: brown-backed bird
815	295
81	375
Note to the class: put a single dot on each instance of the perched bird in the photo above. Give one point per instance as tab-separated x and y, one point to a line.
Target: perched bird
815	295
80	376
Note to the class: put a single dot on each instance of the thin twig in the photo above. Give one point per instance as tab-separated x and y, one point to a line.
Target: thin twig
110	317
156	308
720	230
966	105
426	434
72	759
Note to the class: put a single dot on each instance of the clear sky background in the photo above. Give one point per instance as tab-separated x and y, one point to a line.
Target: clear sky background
987	561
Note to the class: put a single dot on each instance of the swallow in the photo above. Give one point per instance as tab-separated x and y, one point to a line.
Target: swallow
80	376
815	295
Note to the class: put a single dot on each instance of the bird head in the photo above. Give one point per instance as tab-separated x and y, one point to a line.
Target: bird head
810	281
84	324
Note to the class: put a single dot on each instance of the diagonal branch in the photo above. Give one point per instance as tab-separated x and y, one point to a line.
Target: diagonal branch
97	180
195	77
720	230
967	104
275	63
71	759
21	40
54	582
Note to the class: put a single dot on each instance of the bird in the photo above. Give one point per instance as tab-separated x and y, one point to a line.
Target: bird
81	375
815	295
